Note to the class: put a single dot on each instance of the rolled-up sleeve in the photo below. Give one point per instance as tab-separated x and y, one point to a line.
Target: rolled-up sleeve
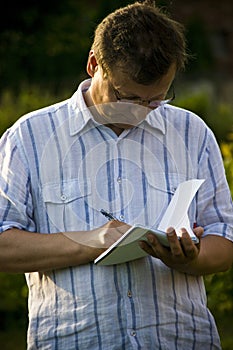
214	198
15	197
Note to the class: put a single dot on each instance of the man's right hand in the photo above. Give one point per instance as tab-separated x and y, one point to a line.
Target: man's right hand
102	237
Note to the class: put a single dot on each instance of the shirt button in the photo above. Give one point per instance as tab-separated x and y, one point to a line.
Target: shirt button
121	217
63	197
129	294
119	180
133	333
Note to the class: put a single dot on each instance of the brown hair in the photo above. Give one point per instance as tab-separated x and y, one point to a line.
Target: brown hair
140	40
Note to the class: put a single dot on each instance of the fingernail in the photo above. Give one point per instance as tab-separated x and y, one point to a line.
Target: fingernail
170	231
182	231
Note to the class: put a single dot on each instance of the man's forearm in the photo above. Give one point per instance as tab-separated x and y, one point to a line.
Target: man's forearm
215	256
22	251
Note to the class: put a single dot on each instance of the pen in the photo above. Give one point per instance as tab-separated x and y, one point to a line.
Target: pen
108	215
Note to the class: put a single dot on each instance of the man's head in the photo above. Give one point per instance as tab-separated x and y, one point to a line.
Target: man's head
141	41
135	55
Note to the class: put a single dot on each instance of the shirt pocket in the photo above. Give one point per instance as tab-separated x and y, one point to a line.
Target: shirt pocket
161	189
68	205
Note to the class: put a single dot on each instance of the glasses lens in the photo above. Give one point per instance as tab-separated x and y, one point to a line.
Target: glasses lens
155	104
152	104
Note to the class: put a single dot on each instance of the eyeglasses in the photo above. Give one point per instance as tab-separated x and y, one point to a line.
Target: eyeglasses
149	103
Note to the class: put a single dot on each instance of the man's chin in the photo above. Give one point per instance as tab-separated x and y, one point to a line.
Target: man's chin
122	115
123	125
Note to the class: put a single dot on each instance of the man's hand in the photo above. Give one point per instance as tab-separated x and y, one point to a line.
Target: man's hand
106	235
102	237
181	253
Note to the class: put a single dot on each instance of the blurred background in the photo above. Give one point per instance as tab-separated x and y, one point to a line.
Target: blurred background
43	52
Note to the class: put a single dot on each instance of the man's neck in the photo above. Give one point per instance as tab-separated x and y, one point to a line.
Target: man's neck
89	103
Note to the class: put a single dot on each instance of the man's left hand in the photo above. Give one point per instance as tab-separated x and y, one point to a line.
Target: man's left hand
181	252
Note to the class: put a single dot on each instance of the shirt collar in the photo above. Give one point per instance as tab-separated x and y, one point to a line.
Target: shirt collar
80	114
155	119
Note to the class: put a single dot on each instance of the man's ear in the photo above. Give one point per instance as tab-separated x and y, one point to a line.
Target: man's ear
92	65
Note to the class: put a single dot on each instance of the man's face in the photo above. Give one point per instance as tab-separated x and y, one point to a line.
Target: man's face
124	103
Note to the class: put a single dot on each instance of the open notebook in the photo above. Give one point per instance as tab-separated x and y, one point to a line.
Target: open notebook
176	215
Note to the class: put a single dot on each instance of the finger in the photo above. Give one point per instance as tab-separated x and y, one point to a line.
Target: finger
174	243
198	231
189	248
122	227
119	226
147	248
154	247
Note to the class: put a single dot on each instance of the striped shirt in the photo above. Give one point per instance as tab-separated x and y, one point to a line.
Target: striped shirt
58	169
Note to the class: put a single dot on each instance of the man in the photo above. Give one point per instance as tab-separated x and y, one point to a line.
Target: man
115	145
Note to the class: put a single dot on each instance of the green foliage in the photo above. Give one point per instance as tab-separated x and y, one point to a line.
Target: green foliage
219	289
48	41
14	299
199	46
217	115
13	311
13	105
227	152
45	43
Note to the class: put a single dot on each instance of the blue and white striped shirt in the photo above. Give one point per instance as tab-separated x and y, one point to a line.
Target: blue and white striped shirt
58	169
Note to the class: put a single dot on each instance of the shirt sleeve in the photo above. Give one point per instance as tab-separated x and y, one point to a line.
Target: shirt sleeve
214	201
16	209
